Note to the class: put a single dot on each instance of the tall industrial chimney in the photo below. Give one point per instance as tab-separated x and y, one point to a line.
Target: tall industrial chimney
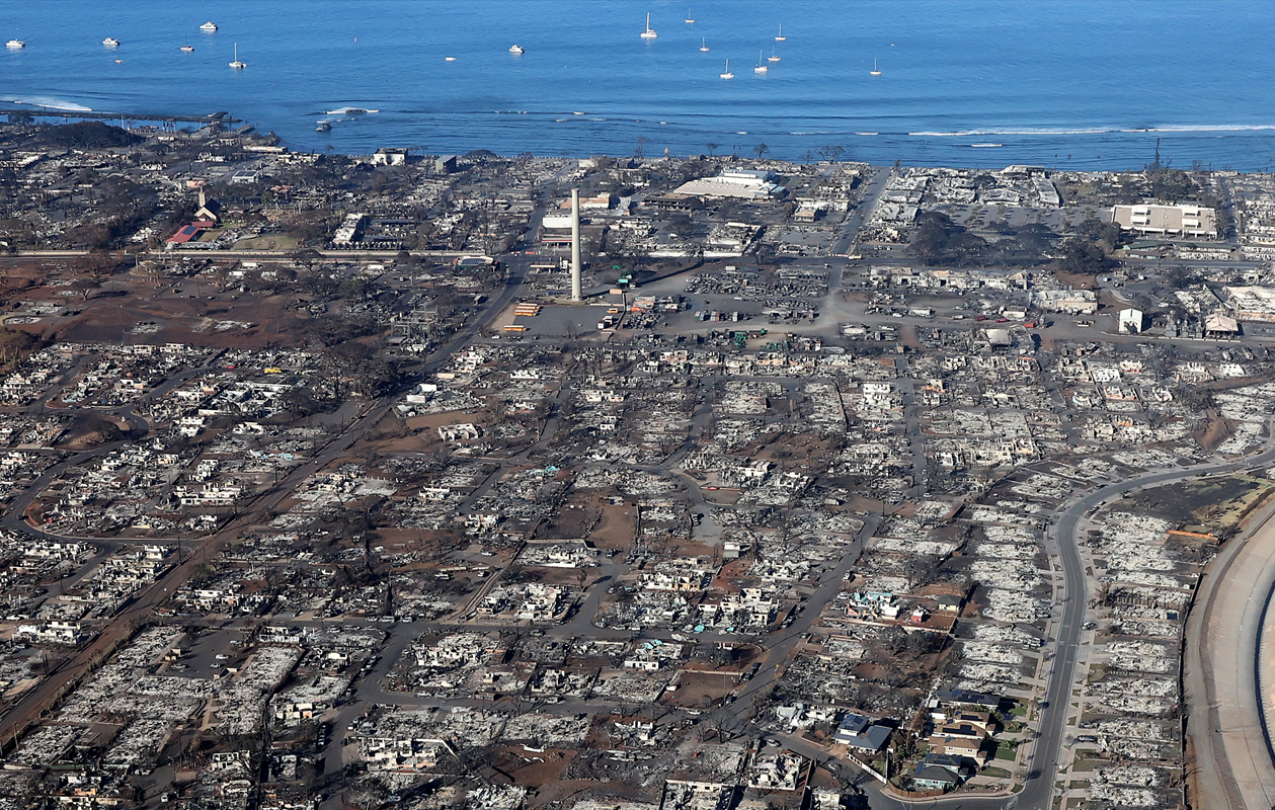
575	245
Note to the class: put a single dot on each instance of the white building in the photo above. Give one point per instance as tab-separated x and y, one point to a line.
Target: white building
740	183
1186	219
1131	321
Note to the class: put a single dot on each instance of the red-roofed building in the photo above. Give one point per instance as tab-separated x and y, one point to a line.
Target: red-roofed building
186	234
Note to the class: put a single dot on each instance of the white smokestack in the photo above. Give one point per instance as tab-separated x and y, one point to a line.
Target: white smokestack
576	294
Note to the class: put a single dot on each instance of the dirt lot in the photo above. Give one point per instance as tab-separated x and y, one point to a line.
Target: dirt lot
1207	505
1215	432
615	529
572	522
700	688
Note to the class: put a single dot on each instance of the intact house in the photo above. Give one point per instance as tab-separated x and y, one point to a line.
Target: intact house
861	733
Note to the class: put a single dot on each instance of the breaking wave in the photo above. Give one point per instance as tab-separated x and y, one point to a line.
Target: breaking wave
48	103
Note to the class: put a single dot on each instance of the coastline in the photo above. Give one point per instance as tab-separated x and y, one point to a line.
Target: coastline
1127	149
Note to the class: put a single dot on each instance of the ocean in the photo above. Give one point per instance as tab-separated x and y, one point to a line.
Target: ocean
1079	85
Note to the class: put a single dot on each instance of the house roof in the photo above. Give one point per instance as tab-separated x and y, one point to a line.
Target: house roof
962	742
970	697
935	773
186	234
858	731
1221	323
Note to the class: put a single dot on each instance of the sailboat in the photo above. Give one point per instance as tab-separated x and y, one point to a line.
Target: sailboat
761	68
772	57
726	74
703	44
689	19
874	71
781	37
237	65
648	33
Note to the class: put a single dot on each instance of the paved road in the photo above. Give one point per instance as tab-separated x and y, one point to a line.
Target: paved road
863	210
1223	659
1038	791
39	699
1064	535
779	645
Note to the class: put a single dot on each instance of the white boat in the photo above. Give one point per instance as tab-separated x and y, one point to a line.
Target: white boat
449	59
648	33
772	57
15	44
119	61
237	65
726	74
323	126
516	48
209	27
761	68
986	145
874	71
781	37
188	49
703	44
689	19
111	42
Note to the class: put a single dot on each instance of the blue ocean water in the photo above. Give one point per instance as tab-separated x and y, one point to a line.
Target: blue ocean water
1088	84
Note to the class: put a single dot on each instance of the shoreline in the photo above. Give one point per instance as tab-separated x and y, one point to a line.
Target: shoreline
1056	149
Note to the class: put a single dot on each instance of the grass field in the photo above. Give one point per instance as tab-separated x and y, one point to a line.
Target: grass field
276	242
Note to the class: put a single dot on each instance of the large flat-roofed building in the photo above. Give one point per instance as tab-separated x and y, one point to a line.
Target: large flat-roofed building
556	229
1186	219
745	184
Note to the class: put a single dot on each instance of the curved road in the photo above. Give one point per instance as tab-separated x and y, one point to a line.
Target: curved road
1038	791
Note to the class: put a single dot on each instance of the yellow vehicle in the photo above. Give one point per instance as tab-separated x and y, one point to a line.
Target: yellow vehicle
515	327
